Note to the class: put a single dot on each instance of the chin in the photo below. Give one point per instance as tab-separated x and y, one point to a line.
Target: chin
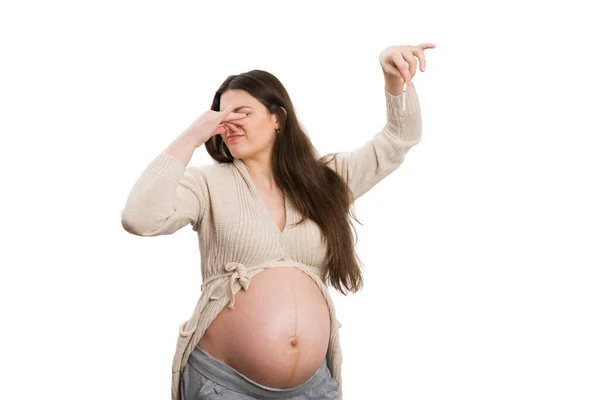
236	153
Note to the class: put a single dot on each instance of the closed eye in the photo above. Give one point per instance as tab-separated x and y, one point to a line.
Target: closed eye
237	109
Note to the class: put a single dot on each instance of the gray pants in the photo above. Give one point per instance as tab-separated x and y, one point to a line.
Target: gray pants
206	378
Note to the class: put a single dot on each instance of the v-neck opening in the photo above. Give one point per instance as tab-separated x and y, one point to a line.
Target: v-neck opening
286	209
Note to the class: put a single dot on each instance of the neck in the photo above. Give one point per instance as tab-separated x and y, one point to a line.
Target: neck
261	172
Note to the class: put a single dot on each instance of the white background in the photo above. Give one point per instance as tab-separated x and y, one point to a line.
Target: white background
480	252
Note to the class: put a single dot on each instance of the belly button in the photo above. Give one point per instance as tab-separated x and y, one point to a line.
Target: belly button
294	341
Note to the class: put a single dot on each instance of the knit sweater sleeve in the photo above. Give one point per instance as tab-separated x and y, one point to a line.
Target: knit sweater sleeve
367	165
166	197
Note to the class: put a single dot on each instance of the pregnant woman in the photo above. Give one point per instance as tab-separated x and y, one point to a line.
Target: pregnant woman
274	232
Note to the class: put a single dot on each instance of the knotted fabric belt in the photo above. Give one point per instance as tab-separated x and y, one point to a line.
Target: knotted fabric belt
236	272
239	272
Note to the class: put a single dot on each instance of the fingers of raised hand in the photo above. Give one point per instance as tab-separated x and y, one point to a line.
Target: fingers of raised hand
234	124
406	66
411	60
229	121
419	51
230	126
421	56
227	114
235	116
406	60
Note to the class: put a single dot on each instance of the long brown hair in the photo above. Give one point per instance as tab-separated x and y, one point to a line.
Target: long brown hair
302	175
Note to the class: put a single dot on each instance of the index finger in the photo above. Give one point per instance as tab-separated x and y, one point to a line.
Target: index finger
233	116
419	53
227	114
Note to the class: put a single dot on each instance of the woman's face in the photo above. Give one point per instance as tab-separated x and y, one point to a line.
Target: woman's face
256	134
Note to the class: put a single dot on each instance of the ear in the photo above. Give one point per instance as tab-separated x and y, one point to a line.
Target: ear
274	117
285	112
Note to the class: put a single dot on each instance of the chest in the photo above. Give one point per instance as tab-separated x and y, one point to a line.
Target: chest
251	227
275	203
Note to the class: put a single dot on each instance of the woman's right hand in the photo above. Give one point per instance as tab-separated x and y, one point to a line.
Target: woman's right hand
211	123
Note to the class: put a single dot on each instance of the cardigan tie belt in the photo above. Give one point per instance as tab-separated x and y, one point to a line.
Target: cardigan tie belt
236	271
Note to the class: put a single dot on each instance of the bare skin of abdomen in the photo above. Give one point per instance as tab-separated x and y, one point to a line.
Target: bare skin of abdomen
278	333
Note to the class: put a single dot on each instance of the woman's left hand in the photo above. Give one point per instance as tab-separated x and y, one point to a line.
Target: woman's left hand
401	61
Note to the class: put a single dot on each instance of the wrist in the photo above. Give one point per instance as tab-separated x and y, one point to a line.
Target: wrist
393	84
182	148
188	139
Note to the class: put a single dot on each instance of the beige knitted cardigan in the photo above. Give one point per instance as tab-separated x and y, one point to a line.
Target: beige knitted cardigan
237	236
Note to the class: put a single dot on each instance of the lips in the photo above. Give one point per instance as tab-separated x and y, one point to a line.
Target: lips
234	137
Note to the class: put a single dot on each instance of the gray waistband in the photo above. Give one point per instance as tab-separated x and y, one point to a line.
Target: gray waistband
226	376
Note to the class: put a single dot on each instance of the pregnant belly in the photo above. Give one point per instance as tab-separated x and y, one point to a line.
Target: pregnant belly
278	333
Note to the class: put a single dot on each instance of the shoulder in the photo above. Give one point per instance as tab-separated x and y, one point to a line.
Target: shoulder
210	172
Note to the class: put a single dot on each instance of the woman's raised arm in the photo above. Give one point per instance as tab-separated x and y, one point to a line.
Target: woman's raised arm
169	195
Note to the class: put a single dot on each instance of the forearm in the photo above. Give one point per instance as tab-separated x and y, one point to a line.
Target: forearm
182	148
